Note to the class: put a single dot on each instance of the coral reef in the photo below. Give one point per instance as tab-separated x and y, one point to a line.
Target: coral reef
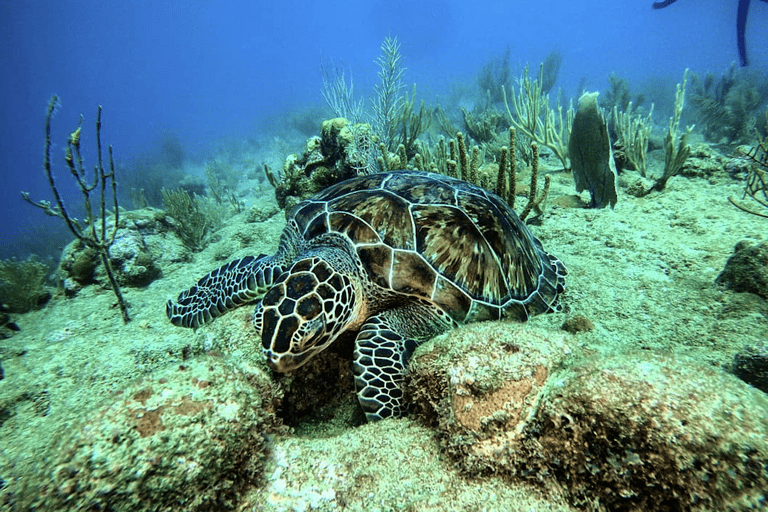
341	152
190	437
75	356
631	431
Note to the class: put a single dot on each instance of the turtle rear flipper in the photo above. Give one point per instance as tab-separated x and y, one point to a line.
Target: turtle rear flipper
228	287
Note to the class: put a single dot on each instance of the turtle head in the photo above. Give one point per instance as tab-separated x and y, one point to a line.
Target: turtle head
305	311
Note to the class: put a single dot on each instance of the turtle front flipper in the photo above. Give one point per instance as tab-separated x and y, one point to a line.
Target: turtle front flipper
383	348
226	288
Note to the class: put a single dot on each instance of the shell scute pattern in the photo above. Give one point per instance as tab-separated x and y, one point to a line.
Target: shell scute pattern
434	237
455	301
436	190
449	240
386	214
354	227
412	275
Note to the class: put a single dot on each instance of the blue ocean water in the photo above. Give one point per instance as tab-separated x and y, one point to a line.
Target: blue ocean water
202	71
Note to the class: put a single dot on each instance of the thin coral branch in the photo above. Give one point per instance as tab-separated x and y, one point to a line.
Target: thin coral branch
756	183
533	200
536	120
90	236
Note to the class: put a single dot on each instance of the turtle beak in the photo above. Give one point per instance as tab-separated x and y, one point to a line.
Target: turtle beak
309	339
284	363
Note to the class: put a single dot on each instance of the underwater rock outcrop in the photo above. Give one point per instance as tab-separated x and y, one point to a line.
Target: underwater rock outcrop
481	384
747	269
341	152
751	366
631	431
189	437
144	243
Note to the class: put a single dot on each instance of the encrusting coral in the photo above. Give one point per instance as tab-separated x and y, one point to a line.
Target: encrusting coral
190	437
341	152
747	269
623	431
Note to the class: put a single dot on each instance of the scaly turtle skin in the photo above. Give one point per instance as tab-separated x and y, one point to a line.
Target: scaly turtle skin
395	257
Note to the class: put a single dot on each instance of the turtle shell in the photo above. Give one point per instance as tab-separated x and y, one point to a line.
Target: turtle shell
441	239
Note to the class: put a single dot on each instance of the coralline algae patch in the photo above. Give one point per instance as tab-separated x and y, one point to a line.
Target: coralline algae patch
187	437
636	430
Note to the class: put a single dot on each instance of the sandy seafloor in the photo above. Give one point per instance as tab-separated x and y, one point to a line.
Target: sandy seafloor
643	273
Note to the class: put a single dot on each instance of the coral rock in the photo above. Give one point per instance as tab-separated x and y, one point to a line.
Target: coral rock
481	384
578	323
747	269
144	244
186	438
632	431
751	366
650	432
341	152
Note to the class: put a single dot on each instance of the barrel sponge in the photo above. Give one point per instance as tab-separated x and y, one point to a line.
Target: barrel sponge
591	156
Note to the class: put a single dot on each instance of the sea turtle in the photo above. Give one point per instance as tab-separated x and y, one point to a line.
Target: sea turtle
396	258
